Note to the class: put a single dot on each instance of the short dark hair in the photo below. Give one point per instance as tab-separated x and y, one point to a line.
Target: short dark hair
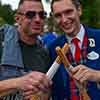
75	2
21	1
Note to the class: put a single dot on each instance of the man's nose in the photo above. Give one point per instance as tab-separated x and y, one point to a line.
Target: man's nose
37	17
63	18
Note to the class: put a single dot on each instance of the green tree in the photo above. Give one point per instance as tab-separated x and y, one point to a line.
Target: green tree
2	21
91	13
7	13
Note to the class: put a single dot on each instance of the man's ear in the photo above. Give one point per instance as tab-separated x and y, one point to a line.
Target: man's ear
18	19
80	10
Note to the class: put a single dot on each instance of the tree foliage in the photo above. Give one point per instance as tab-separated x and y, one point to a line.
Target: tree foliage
6	13
91	13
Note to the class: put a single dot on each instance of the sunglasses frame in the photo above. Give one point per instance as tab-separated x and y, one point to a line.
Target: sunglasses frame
31	14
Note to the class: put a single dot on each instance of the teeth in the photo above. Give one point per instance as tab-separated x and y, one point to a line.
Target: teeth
67	26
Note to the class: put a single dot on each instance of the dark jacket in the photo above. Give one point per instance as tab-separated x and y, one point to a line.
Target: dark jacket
61	84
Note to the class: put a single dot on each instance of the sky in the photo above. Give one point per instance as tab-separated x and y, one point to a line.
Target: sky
14	4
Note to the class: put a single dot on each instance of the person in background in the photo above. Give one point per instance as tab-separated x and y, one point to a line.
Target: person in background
22	53
84	50
49	36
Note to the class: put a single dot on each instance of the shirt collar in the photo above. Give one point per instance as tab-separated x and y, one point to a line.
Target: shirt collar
80	34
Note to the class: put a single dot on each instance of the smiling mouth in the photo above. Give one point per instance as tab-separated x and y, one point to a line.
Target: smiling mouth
68	25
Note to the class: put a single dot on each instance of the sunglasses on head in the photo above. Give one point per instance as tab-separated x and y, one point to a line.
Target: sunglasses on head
31	14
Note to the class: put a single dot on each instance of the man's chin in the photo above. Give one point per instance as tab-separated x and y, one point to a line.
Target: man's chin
33	34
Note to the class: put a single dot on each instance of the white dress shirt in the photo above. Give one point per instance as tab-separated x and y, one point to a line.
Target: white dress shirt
80	36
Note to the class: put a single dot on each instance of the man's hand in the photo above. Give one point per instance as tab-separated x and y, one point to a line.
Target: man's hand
83	73
33	83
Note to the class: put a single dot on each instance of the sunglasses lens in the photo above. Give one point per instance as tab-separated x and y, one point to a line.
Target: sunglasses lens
42	14
30	14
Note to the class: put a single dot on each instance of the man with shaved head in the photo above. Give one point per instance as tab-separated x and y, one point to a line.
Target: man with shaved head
22	52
